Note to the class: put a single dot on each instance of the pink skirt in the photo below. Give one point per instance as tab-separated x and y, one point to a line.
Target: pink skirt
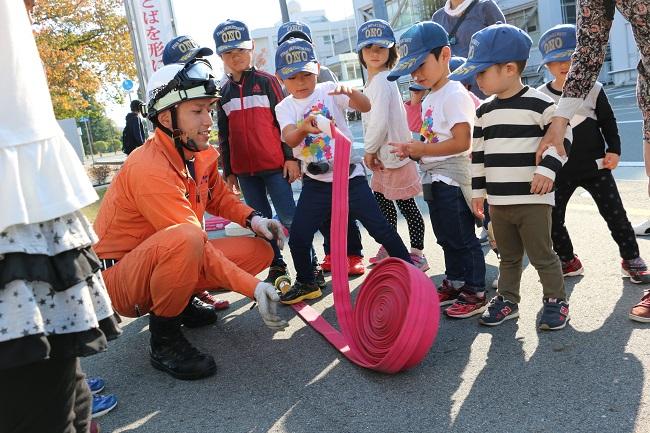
397	183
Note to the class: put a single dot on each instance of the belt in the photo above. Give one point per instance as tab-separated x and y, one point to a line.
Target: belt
107	263
395	318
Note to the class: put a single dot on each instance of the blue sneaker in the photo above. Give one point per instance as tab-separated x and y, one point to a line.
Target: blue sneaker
555	314
103	404
498	311
96	384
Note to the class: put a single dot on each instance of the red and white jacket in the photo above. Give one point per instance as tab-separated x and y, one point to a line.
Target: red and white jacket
249	133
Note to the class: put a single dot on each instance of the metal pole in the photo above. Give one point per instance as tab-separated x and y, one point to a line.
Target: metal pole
90	141
284	10
135	42
380	10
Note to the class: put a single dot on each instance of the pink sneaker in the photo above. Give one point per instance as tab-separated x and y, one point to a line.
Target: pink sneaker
381	255
420	262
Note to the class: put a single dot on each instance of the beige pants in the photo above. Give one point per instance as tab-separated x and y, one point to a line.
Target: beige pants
526	228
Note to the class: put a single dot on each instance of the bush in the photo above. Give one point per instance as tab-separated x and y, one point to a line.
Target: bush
100	173
101	146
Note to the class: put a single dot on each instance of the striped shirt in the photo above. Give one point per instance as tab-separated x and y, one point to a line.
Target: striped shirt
506	135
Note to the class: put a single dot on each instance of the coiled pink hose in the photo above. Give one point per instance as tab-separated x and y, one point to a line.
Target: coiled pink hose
395	318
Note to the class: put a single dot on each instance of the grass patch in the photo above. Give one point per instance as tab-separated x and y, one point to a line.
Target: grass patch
91	211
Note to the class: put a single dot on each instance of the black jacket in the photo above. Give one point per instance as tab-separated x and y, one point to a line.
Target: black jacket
133	134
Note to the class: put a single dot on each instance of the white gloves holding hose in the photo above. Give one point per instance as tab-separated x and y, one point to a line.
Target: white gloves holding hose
269	229
267	299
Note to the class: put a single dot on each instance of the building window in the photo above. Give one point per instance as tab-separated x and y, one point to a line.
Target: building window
568	11
328	39
401	13
526	19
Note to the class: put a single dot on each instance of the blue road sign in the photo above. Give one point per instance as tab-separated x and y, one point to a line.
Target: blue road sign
127	85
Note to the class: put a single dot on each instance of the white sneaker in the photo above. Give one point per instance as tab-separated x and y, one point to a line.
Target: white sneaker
420	262
642	229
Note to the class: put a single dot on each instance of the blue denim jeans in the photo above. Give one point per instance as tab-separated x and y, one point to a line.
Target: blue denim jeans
255	189
453	225
315	204
354	236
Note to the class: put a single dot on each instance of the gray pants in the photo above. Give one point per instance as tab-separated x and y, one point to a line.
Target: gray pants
526	228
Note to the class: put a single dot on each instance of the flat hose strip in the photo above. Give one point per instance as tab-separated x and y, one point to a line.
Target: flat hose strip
395	318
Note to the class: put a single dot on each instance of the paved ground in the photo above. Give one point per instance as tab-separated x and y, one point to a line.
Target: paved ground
592	376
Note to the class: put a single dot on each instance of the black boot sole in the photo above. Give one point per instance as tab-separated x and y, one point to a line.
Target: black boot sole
183	376
192	324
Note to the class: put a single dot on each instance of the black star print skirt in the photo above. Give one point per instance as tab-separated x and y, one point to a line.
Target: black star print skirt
53	301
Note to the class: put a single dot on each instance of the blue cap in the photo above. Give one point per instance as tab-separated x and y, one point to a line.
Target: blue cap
557	44
455	62
415	45
231	35
293	56
294	29
375	32
498	43
182	49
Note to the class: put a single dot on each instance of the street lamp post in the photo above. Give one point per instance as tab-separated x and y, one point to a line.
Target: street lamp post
86	120
285	11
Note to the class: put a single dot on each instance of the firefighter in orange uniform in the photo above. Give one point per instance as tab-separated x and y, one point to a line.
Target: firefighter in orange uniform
154	251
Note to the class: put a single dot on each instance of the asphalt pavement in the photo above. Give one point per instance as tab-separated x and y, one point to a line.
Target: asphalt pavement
593	376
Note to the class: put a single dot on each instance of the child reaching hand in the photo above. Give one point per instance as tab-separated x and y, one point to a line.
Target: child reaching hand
297	67
393	180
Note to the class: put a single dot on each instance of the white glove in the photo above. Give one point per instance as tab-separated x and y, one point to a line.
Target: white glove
267	300
269	229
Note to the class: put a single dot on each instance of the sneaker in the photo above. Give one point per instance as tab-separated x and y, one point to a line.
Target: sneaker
319	277
95	384
299	292
467	305
355	265
420	262
573	267
483	237
447	294
555	314
641	311
103	404
495	283
326	266
276	271
498	311
381	255
198	313
210	299
636	269
642	229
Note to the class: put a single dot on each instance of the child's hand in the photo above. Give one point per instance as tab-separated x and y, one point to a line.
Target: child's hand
341	90
477	208
372	162
611	160
413	149
291	170
309	125
233	184
541	184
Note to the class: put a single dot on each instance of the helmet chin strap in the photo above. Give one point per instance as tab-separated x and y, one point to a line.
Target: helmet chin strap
176	133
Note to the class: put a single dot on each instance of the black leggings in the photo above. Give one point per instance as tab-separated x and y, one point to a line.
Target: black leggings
602	188
46	396
413	216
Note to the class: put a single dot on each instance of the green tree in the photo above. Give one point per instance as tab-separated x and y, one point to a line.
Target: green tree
85	47
430	6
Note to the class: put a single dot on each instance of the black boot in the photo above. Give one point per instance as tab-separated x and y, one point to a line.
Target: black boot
173	354
276	271
198	313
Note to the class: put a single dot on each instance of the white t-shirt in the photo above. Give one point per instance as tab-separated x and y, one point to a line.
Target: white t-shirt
441	111
316	147
386	121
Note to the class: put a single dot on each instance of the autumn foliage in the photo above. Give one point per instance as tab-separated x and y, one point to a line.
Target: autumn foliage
85	47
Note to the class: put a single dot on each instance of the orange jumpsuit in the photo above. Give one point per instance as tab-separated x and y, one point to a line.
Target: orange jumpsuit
149	220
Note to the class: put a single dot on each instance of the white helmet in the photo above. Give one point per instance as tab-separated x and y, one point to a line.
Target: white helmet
177	82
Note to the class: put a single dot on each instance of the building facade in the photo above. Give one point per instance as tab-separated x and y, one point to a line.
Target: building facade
533	16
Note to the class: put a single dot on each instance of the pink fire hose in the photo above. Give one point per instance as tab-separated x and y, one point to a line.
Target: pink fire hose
395	318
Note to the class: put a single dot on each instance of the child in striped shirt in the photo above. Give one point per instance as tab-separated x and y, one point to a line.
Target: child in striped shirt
507	132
